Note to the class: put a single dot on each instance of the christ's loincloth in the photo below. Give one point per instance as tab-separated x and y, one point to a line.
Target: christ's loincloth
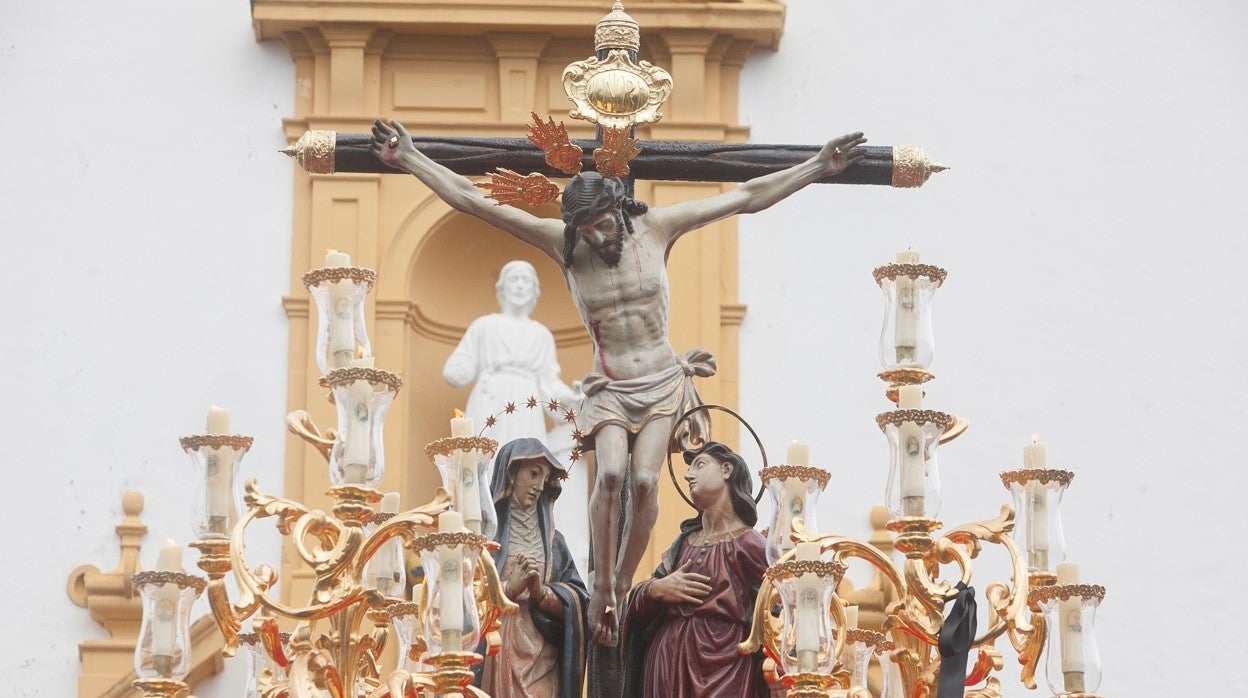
633	402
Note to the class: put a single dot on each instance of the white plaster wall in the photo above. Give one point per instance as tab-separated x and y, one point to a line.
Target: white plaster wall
1089	227
1092	226
145	220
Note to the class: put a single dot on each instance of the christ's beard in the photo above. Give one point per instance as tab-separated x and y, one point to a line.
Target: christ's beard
611	250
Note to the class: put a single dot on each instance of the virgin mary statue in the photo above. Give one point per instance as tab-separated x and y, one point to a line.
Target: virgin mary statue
542	654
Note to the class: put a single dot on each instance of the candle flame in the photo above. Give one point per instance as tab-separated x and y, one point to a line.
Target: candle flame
330	251
170	541
1035	438
359	351
459	414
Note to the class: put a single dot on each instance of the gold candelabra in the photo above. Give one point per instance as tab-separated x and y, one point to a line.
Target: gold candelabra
338	634
355	551
928	644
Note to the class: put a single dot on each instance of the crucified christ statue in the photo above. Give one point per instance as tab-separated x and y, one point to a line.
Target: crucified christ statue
613	251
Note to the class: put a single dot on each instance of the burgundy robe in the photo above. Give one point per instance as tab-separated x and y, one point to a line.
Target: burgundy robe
690	651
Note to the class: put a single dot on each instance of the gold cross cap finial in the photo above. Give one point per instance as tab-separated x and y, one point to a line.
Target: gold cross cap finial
617	31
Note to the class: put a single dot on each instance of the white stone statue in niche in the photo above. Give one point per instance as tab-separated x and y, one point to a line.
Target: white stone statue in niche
509	358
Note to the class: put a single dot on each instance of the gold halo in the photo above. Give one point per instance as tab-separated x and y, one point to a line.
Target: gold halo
671	470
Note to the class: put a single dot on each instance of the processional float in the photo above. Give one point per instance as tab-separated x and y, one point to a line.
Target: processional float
807	631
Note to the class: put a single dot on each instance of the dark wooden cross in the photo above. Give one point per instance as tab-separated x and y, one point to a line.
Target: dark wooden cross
325	152
618	35
659	160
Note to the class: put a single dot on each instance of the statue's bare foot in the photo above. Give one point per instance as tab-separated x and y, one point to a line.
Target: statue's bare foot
602	617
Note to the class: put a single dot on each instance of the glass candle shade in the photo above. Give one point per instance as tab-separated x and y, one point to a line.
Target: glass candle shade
891	684
1038	503
363	397
216	458
262	671
339	294
794	491
906	339
405	619
164	646
466	466
862	647
448	619
385	571
808	634
914	488
1072	660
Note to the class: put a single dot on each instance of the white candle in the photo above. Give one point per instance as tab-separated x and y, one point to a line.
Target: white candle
793	497
1037	499
388	570
906	339
341	321
357	453
390	503
165	608
913	465
808	612
451	584
169	559
218	468
792	505
461	426
335	258
910	397
851	617
468	501
799	454
1036	496
1034	454
1070	622
218	420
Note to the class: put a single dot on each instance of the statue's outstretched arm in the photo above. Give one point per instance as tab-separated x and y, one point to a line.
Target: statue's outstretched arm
393	145
758	193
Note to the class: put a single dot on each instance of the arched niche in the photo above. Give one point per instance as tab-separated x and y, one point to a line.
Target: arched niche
451	277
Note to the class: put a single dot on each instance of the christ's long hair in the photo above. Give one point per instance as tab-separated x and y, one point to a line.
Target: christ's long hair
587	196
740	484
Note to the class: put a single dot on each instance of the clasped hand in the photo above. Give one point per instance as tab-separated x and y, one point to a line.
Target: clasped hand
525	574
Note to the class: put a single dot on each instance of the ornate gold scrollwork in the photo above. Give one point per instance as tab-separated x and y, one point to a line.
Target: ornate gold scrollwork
345	660
300	424
616	92
314	151
1029	645
912	166
914	620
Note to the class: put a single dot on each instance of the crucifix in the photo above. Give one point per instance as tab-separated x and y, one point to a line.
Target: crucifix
613	251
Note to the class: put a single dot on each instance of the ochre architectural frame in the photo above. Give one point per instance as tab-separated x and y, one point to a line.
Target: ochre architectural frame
477	68
113	602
